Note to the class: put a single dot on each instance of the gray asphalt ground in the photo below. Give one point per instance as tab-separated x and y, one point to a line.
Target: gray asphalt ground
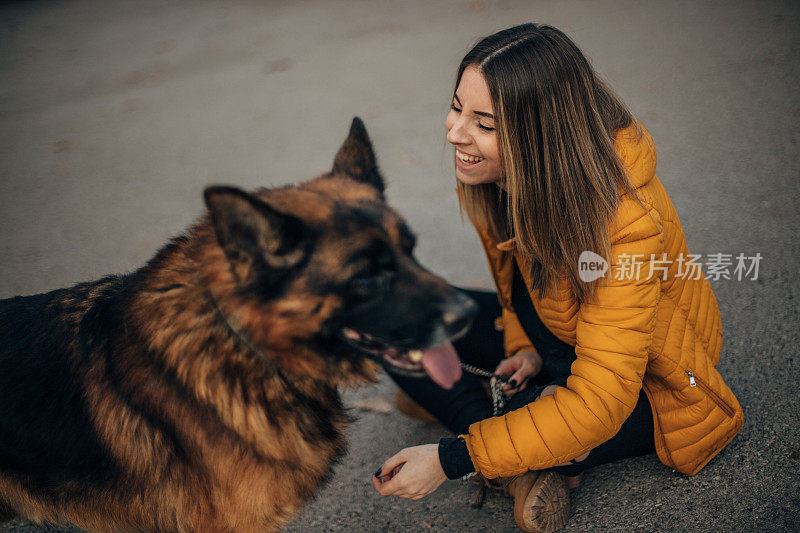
115	115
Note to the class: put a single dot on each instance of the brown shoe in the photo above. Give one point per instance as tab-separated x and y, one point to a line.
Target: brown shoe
541	501
412	409
534	507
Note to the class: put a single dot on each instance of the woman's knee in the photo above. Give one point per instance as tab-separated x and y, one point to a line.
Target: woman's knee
548	391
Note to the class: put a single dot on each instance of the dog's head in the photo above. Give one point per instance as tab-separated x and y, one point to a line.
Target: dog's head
324	273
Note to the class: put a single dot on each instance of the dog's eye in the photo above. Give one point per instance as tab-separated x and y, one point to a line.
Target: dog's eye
368	285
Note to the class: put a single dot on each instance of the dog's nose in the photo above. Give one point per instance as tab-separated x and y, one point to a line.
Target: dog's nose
458	314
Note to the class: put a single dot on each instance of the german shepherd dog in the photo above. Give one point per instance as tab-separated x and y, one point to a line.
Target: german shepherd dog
199	393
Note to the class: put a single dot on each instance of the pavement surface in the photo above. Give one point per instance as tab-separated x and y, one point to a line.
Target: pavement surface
114	116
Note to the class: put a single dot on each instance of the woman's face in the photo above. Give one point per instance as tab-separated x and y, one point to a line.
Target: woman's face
471	129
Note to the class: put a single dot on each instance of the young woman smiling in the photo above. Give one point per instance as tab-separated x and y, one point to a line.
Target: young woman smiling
551	164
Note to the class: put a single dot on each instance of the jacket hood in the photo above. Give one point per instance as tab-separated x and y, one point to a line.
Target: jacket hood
637	153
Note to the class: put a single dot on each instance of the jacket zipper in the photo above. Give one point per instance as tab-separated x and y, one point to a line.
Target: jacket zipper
694	381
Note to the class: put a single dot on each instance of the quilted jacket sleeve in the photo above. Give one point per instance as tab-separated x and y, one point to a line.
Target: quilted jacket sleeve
613	337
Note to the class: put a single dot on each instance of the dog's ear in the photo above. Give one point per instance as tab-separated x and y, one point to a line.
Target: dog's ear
356	159
249	230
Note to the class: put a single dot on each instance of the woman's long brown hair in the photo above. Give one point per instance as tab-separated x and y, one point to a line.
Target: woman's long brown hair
561	174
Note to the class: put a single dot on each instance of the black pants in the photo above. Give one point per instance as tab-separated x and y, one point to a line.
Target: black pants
467	402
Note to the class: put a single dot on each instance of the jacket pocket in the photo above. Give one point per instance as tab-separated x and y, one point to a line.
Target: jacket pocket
695	381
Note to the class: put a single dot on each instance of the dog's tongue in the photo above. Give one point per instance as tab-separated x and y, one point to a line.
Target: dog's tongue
442	365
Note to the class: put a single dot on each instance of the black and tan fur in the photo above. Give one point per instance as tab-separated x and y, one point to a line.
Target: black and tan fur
199	393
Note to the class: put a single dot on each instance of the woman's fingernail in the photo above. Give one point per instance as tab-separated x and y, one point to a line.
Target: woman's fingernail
513	383
378	472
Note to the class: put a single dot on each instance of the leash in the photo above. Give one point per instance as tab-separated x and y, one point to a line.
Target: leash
498	399
498	403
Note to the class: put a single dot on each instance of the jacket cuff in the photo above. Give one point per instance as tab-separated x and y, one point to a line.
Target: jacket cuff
454	458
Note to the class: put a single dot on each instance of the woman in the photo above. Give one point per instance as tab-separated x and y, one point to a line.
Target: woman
551	166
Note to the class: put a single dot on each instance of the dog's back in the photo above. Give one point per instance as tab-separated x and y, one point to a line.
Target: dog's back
47	437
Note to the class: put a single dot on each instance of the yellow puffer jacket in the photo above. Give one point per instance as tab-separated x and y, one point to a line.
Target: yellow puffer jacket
662	335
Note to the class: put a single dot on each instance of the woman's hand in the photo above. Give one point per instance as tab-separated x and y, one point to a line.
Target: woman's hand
520	367
411	473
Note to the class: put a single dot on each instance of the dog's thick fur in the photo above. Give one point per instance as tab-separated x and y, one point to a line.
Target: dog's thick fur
199	393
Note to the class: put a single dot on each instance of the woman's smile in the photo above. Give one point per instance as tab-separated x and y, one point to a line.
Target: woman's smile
467	161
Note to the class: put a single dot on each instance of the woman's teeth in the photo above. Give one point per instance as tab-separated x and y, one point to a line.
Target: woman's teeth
468	159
